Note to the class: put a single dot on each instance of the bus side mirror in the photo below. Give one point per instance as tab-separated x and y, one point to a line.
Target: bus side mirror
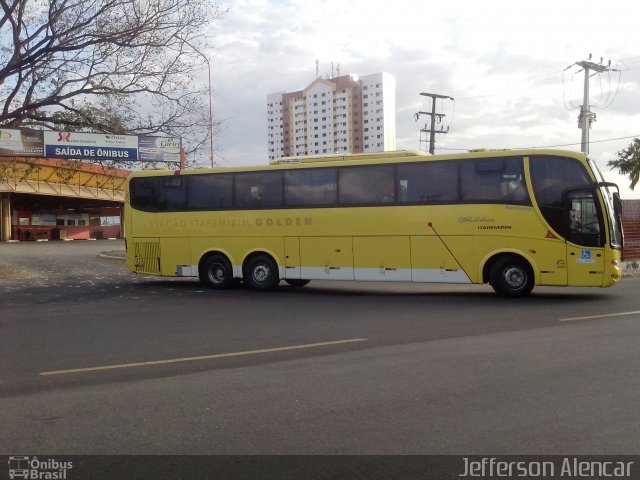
617	204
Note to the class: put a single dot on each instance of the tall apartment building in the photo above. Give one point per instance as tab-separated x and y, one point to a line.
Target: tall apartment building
345	114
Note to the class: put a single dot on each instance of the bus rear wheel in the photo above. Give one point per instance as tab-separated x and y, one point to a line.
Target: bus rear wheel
261	273
217	272
511	276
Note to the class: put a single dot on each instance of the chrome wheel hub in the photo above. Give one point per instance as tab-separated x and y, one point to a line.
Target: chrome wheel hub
514	277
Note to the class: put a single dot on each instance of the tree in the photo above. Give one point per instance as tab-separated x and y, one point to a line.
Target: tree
628	162
109	66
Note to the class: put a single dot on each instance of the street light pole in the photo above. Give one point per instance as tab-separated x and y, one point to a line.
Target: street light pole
210	111
206	59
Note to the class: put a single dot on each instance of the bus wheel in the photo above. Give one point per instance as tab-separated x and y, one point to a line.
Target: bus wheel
511	276
217	272
296	282
261	273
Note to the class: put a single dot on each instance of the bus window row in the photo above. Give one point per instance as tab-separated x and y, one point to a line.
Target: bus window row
439	182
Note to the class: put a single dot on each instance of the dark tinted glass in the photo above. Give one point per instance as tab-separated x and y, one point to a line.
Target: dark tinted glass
166	193
498	180
367	185
258	190
551	177
493	180
435	182
585	221
209	192
143	193
310	187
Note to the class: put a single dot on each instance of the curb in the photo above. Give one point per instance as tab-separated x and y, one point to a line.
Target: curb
113	257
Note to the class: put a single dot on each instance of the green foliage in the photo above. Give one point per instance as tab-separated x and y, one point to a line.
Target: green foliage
94	119
628	162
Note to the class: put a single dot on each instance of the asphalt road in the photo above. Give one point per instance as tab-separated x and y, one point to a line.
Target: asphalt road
96	360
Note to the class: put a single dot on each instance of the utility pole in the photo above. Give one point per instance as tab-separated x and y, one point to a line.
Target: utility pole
434	116
587	117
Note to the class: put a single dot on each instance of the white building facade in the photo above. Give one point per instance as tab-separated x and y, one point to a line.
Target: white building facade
337	115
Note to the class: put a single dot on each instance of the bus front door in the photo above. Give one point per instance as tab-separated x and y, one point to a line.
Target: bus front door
585	240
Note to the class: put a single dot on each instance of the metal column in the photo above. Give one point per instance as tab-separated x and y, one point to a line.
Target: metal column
5	206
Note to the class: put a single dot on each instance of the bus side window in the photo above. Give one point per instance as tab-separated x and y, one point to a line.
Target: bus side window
258	190
583	217
370	185
209	192
312	187
584	223
514	190
434	182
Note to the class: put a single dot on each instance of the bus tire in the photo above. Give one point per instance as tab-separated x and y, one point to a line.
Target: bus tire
261	273
511	276
296	282
217	272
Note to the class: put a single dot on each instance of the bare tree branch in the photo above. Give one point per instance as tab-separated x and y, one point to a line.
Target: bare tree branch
61	59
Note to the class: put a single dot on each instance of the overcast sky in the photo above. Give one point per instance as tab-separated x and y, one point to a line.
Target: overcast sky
504	62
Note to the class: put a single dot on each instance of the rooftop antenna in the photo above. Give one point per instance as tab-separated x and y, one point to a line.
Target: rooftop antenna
317	68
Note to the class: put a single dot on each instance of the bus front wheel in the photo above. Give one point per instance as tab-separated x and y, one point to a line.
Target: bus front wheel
217	272
261	273
511	276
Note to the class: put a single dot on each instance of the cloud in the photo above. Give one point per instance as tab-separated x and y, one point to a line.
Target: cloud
502	61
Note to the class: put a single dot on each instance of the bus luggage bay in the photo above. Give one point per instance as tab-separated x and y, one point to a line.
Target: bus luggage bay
510	218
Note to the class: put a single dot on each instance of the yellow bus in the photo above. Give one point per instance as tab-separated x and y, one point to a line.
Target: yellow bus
510	218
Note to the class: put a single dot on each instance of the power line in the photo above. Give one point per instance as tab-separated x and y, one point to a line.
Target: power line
620	64
498	90
551	146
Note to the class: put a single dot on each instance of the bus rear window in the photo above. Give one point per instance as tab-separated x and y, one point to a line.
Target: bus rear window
158	193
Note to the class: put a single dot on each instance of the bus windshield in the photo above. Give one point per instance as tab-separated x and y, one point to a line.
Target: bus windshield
615	225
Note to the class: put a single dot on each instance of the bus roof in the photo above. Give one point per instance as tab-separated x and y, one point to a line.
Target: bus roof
350	159
336	157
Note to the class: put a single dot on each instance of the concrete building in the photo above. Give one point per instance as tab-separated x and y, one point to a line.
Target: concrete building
55	199
345	114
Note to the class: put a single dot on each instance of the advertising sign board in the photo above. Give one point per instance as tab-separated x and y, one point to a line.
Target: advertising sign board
159	149
88	146
21	142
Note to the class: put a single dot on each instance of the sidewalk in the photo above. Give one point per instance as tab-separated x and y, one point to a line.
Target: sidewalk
631	268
